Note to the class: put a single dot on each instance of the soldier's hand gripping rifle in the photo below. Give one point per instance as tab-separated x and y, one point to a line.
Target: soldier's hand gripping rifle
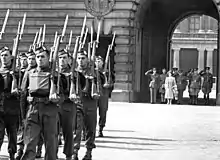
53	95
4	24
74	87
108	78
15	87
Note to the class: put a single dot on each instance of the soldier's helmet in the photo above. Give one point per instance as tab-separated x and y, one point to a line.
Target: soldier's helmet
207	68
62	52
5	48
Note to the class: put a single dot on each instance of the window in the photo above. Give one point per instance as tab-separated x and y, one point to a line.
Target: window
194	23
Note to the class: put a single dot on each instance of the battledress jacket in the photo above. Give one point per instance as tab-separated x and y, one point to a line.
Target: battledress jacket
25	92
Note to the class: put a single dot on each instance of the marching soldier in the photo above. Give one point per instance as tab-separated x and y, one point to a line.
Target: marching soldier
154	84
195	85
31	63
42	110
162	85
9	103
207	83
181	81
68	108
88	111
103	100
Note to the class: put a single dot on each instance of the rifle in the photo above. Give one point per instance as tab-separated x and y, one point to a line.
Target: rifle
52	50
70	40
4	24
108	79
74	88
33	46
53	89
15	87
82	33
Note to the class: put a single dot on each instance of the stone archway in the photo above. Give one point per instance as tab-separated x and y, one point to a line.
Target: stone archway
156	21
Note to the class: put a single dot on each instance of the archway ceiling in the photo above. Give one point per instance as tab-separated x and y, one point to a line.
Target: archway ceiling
175	9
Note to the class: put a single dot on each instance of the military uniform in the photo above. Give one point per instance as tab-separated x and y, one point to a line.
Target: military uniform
9	111
154	86
67	114
87	113
42	114
24	106
207	84
195	86
162	87
181	82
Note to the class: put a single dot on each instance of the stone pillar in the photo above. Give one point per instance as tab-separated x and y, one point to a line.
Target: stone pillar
209	59
201	59
201	30
176	57
209	25
218	69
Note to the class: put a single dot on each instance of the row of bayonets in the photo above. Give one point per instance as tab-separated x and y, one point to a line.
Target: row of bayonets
39	41
79	45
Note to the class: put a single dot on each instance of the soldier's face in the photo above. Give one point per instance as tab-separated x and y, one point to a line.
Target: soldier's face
99	63
6	58
23	62
31	61
164	71
63	61
207	70
82	61
42	59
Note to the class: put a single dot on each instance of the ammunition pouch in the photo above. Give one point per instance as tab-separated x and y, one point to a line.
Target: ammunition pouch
39	85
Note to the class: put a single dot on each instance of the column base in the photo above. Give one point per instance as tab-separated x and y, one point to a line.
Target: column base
218	99
122	96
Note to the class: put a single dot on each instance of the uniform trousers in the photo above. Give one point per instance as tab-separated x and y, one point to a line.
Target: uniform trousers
9	123
153	95
41	117
86	116
103	108
67	122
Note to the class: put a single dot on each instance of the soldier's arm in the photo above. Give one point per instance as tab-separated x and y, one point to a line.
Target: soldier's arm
24	94
148	72
2	83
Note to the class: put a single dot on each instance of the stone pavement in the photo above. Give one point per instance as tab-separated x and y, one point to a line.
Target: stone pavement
156	132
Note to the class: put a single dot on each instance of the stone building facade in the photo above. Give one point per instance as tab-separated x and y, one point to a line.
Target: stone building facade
144	31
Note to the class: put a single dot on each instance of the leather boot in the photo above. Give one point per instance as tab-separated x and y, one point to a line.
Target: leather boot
100	132
19	154
75	155
39	152
88	155
11	156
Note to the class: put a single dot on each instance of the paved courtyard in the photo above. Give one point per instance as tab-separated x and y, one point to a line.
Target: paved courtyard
156	132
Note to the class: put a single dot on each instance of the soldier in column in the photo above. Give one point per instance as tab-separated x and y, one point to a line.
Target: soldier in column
189	77
106	91
9	102
88	111
154	84
31	63
42	110
195	86
207	83
162	86
181	81
68	108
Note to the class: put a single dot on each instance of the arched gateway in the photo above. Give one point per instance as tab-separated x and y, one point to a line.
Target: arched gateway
144	29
